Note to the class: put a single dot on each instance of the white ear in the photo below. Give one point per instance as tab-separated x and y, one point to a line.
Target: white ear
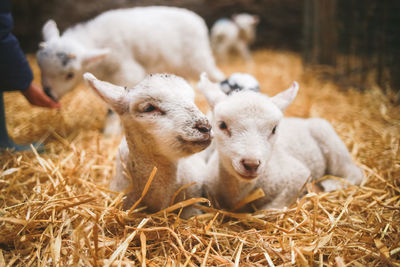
234	17
210	90
95	55
112	94
42	45
50	30
256	19
285	98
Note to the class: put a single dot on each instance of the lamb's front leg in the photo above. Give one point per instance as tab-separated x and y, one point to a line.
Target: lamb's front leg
191	174
284	199
289	185
112	125
121	181
244	52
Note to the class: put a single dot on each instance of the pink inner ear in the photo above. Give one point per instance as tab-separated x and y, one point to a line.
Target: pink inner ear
295	87
111	94
285	98
92	57
291	93
91	83
42	45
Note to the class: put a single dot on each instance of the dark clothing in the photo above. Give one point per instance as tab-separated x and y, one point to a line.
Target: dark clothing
5	6
15	72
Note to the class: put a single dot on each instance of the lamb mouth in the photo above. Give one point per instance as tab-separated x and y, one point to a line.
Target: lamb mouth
201	142
50	95
246	176
243	175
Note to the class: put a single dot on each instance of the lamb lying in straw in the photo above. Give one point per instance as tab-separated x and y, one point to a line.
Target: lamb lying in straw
163	128
256	147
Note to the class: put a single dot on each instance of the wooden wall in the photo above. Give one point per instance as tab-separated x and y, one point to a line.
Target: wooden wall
358	39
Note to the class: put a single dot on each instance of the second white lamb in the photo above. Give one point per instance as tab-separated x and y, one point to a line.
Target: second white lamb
256	147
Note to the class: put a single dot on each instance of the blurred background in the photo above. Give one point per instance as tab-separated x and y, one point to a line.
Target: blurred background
354	42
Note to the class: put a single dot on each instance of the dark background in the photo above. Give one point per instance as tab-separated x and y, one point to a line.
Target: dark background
358	40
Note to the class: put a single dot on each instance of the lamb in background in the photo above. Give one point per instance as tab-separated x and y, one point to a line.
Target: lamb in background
234	36
256	147
163	128
122	46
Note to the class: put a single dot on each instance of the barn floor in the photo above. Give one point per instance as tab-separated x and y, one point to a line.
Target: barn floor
55	208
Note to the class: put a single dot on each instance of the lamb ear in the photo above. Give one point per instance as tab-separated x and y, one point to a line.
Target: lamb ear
112	94
234	17
285	98
50	30
210	90
256	19
42	45
95	55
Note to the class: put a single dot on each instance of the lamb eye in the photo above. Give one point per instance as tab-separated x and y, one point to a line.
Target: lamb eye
274	130
69	76
222	125
149	108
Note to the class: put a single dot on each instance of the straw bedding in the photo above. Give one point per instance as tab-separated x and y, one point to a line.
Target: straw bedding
56	210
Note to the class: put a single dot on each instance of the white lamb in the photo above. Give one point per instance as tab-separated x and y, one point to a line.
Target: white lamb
122	46
163	127
234	36
256	147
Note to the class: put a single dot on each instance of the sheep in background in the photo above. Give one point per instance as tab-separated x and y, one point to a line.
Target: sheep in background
234	35
163	128
256	147
122	46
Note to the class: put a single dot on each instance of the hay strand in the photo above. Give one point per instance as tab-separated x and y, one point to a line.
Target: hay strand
146	188
121	250
256	194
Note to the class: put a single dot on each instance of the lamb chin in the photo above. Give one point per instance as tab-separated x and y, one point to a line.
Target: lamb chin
190	147
247	177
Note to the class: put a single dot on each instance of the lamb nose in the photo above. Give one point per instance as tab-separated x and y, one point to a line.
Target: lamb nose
203	127
47	91
251	164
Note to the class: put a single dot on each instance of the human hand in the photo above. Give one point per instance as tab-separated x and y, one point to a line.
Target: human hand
36	96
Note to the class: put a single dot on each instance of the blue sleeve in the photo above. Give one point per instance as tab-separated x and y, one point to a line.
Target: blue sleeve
15	72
